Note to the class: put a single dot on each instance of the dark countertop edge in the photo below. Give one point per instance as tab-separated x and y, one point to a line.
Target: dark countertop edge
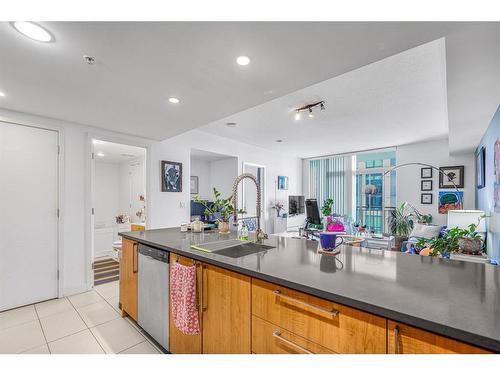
453	333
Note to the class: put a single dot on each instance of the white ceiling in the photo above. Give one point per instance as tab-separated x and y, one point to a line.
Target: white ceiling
140	64
116	153
207	155
398	100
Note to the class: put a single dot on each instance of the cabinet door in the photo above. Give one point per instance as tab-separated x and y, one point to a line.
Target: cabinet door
181	343
403	339
226	311
128	278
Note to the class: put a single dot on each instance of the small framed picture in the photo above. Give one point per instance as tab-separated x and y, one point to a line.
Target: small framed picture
171	176
282	183
426	185
426	198
425	172
194	184
451	177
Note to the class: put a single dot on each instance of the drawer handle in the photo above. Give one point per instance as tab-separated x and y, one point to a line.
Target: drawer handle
277	335
332	312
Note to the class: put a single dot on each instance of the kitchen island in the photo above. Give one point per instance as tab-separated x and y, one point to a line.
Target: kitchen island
392	302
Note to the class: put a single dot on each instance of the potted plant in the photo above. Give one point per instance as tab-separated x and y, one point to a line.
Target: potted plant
401	223
221	206
278	206
454	241
326	211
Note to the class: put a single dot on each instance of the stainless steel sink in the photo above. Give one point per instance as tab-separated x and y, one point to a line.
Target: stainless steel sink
246	248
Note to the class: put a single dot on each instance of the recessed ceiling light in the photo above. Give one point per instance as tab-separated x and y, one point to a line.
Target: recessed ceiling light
231	124
243	60
173	100
100	154
297	116
279	140
33	31
96	141
2	94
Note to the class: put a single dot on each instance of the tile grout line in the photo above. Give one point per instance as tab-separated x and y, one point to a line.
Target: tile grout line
92	333
41	327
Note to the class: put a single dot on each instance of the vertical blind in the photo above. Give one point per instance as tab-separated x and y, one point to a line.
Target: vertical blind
327	180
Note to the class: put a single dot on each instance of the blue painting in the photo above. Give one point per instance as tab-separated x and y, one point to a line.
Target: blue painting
282	183
171	176
450	200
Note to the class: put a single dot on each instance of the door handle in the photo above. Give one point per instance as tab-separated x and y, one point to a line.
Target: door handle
396	340
135	266
204	286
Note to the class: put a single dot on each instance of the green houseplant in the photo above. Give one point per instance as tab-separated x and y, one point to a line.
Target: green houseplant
221	206
401	223
327	208
455	240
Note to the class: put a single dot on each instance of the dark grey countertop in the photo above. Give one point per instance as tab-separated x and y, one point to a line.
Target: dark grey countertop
457	299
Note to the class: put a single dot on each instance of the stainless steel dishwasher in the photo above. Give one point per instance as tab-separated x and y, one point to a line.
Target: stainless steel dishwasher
154	290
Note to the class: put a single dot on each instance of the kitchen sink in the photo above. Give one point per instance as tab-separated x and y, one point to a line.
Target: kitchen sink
246	248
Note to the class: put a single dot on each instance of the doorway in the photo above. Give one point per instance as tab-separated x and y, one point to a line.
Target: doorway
29	197
119	203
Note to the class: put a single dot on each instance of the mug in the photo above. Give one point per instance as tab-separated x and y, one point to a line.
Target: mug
328	240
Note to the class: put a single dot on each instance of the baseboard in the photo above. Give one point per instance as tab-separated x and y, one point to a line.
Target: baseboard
77	290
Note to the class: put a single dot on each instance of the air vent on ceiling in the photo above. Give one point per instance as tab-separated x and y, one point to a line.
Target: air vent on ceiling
127	155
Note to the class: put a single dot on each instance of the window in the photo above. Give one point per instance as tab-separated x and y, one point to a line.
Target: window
327	179
375	193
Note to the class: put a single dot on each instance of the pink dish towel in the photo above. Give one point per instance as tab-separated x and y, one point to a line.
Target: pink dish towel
183	298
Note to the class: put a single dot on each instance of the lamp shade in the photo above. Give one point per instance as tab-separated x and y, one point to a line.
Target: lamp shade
463	218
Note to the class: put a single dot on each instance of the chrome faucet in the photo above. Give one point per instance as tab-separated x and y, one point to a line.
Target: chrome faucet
260	233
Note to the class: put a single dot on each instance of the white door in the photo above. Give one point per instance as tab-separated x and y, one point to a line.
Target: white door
28	215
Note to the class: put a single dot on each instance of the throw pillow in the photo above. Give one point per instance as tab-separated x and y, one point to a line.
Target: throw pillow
425	231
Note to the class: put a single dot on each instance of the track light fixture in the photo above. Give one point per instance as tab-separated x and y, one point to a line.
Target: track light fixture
309	108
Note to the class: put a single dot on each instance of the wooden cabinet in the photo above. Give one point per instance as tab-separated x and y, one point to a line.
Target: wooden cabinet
404	339
181	343
270	339
128	278
226	311
336	327
224	302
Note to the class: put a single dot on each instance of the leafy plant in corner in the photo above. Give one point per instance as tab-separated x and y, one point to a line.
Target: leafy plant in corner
401	220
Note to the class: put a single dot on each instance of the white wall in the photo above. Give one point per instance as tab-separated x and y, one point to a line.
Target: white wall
170	209
222	175
435	153
107	188
201	169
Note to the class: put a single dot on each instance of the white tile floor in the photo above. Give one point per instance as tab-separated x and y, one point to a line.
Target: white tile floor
87	323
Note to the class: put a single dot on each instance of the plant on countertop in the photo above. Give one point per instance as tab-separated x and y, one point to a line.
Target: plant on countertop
221	206
327	207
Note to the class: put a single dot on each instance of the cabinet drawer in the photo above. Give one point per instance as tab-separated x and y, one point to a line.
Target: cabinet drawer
270	339
336	327
403	339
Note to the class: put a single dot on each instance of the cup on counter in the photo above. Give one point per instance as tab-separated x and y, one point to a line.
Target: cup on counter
184	227
328	241
197	226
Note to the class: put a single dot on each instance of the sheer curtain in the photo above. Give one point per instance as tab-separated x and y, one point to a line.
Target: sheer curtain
327	179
